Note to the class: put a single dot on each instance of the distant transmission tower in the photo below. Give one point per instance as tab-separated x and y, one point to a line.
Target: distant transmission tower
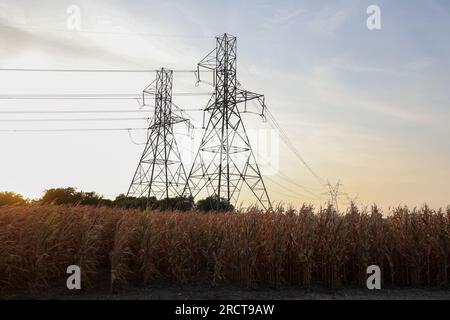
225	160
334	194
160	172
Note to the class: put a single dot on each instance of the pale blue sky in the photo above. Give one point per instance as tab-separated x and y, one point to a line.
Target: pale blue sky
369	107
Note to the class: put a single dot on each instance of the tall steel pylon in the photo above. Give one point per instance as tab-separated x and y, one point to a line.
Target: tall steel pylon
225	159
160	172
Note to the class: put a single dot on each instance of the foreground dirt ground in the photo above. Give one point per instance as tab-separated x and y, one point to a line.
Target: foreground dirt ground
204	293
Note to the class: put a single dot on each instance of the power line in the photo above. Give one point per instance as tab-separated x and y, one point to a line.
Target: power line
182	111
69	70
292	147
70	96
67	119
188	94
134	94
133	141
66	98
81	70
71	111
192	110
144	143
284	194
286	178
70	130
90	96
293	193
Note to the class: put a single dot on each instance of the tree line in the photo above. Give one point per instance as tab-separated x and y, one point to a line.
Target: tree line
70	196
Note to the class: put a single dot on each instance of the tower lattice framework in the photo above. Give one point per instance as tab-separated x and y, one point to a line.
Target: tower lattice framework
160	172
225	161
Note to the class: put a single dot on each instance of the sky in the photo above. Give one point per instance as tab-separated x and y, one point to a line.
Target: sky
368	108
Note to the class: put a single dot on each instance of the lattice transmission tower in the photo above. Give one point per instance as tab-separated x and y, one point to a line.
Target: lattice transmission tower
225	160
160	172
334	193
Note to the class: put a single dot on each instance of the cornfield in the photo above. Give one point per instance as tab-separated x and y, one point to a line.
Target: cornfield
251	248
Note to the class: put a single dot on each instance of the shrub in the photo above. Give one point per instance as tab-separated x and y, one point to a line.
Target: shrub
213	204
11	198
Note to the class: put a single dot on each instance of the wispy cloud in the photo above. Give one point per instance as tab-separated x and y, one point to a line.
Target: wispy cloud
329	20
57	49
284	17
